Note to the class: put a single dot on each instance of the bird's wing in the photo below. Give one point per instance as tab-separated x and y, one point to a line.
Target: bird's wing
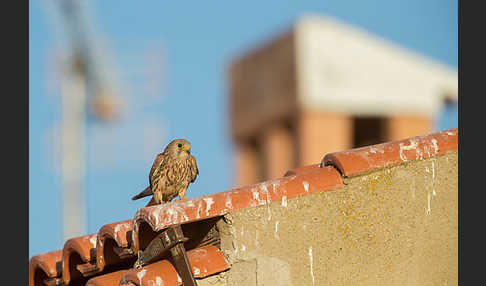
155	170
194	169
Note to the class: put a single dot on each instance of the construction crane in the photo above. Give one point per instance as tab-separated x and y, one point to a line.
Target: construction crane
86	91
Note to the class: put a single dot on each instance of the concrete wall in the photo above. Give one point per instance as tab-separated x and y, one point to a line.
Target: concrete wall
395	226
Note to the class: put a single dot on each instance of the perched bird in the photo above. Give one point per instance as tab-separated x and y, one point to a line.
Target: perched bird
171	173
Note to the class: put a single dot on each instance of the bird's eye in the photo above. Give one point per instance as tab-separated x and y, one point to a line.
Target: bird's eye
179	145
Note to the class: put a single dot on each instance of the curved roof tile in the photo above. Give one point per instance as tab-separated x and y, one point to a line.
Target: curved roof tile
361	160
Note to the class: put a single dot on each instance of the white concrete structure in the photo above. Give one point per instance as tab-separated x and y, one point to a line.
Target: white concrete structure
346	69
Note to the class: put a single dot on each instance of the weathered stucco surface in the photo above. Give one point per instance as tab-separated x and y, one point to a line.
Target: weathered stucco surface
395	226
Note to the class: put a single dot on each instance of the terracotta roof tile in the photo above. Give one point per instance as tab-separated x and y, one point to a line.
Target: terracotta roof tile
180	212
85	255
360	160
109	279
120	233
301	170
83	247
156	272
48	264
127	284
204	261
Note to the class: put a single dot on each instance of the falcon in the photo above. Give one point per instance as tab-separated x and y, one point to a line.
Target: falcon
171	173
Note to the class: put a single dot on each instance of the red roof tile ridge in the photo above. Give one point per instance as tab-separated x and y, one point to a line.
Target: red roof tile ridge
82	246
360	160
111	278
46	262
162	272
127	284
118	231
302	170
206	260
90	249
179	212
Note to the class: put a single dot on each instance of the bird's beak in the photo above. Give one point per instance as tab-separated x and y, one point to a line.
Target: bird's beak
187	149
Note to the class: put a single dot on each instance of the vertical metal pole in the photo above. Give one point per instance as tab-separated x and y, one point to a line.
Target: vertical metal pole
73	155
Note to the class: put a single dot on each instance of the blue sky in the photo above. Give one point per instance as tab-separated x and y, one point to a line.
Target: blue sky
191	46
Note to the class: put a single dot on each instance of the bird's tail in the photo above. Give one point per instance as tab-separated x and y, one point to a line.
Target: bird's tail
145	193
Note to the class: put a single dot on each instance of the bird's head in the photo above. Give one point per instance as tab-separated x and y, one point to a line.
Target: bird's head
179	148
